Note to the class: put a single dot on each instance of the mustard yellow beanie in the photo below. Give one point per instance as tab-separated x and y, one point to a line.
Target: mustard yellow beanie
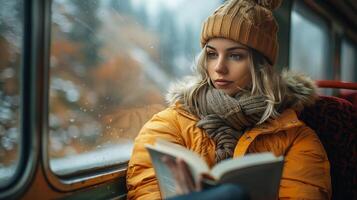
249	22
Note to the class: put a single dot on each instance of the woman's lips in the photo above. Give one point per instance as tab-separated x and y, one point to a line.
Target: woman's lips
222	83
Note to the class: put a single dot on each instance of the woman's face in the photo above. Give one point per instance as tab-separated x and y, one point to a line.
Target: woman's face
228	65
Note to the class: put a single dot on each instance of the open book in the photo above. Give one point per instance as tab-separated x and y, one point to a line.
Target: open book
259	174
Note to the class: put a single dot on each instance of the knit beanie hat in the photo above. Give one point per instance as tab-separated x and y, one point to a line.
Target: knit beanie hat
249	22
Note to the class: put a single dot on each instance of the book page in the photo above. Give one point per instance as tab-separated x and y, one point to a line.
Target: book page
242	162
262	182
259	175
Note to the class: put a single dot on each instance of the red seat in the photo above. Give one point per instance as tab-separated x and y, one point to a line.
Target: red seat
350	96
335	122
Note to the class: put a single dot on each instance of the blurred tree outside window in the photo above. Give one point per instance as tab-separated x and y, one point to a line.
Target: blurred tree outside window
11	37
111	64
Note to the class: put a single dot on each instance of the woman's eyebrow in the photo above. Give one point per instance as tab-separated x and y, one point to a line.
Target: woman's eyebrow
208	46
237	47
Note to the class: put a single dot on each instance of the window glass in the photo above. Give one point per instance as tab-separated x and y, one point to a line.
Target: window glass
11	34
348	69
309	44
348	62
111	63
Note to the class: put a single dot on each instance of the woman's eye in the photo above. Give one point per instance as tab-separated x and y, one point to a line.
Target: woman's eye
211	55
235	56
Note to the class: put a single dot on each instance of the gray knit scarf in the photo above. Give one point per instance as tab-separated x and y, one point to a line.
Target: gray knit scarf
225	118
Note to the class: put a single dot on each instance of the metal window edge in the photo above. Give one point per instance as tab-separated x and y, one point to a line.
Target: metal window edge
88	177
29	142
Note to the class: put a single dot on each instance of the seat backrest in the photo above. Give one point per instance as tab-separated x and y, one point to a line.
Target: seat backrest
349	96
335	122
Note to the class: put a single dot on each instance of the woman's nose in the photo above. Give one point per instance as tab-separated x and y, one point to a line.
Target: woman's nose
221	67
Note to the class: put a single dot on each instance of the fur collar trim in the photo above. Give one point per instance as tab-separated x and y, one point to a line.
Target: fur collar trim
300	90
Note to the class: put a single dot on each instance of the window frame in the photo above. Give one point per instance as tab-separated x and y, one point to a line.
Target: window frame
83	178
283	18
29	132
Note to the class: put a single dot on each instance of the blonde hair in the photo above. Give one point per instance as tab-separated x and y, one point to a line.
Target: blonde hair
265	81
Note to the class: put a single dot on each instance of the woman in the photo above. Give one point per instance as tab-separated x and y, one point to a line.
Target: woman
237	104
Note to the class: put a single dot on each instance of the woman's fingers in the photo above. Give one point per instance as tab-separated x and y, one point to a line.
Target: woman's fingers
183	177
182	181
186	175
172	165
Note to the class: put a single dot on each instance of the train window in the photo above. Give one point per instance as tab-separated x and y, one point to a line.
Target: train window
348	61
11	37
309	43
110	64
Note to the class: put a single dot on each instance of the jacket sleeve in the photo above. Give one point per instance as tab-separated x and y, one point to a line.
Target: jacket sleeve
140	179
306	173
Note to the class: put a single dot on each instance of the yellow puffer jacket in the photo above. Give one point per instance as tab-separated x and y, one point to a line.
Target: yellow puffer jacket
306	173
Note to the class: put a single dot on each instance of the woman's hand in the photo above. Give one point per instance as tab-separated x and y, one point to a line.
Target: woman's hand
185	182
